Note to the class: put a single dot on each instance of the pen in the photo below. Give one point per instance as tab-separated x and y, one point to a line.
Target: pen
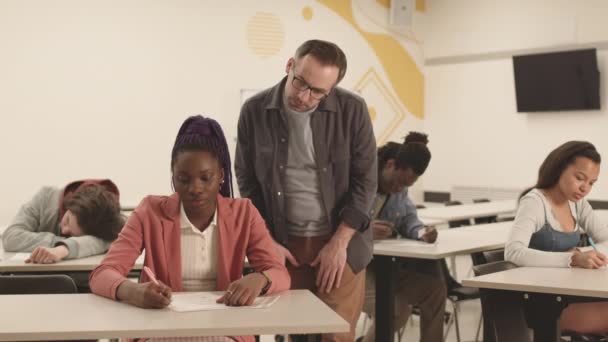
592	243
150	275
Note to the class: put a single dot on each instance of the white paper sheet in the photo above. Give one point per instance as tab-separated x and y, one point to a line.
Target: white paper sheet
405	243
204	301
20	257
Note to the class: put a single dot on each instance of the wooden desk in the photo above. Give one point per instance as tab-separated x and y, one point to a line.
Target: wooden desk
468	211
503	227
559	281
431	222
94	317
545	292
452	242
73	265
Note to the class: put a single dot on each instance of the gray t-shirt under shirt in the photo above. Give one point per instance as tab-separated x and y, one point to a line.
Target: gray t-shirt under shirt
305	210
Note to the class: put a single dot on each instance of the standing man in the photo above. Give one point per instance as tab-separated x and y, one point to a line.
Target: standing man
306	157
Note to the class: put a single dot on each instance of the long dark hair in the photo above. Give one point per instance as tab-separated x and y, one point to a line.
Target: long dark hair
558	160
198	133
413	153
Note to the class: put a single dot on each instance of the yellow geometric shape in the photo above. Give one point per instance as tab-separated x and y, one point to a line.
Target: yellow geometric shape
307	13
384	108
385	3
265	34
404	76
372	113
420	5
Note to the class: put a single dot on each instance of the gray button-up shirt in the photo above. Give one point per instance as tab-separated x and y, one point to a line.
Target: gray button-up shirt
345	149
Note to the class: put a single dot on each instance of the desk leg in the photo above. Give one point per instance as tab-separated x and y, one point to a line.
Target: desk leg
385	297
542	314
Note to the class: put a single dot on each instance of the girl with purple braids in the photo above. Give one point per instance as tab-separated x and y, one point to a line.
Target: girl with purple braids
195	239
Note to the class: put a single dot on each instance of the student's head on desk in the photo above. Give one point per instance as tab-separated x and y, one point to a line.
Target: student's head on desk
92	210
200	166
400	165
569	171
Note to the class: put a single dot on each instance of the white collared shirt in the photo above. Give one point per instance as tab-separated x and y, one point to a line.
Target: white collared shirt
199	254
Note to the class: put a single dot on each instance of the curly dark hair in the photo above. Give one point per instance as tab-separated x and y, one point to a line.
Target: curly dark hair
97	211
413	153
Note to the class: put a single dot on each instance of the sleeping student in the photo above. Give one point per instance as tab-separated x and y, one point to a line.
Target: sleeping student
76	221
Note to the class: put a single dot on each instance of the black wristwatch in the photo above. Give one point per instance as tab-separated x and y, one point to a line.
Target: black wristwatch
268	283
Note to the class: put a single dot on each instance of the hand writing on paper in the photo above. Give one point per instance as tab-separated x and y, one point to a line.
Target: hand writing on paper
146	295
382	229
430	235
244	291
45	255
590	259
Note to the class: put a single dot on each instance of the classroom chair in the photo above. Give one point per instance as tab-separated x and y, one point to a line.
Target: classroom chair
503	315
455	296
36	284
457	223
485	219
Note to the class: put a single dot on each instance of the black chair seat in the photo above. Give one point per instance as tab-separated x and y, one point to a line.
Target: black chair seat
457	223
36	284
485	219
464	293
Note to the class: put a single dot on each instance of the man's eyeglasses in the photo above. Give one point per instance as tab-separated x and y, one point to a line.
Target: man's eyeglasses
301	85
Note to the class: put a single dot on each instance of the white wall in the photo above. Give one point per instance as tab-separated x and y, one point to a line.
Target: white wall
99	88
478	137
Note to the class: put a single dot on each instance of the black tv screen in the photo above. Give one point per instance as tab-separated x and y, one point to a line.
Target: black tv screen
557	81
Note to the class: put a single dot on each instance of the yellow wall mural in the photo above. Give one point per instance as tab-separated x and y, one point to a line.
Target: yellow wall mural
265	34
391	95
404	75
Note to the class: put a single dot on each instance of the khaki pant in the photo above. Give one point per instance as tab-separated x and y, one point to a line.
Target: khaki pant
346	301
423	288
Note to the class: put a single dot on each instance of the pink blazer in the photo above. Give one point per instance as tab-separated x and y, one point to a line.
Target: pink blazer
155	226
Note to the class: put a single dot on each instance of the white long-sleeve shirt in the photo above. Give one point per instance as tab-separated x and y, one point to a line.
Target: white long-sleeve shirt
530	218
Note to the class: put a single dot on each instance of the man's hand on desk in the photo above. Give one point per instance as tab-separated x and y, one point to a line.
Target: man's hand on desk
430	235
45	255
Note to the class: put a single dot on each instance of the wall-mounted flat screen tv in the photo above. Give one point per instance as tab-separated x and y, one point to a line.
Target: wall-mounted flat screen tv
557	81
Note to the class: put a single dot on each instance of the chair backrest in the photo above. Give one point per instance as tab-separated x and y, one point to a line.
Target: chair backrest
484	219
457	223
494	255
503	313
36	284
